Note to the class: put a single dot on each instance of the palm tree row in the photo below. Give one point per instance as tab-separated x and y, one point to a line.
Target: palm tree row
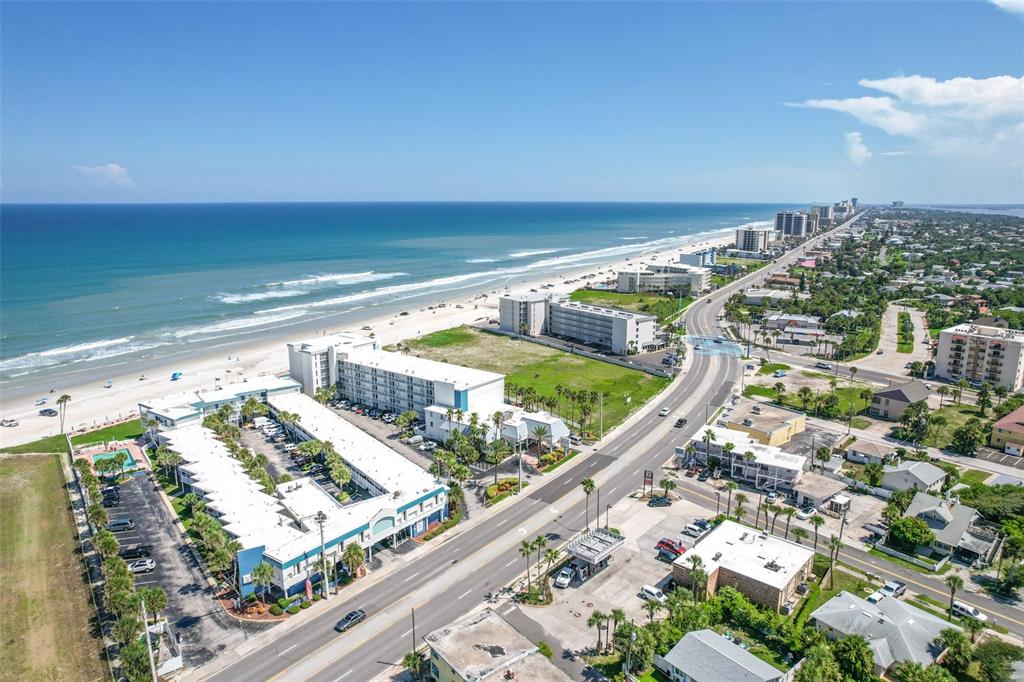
548	555
573	406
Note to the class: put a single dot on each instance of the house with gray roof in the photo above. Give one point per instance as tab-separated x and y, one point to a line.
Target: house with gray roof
706	656
895	630
913	474
890	403
959	530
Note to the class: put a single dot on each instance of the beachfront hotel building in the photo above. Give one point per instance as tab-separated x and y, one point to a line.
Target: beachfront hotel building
189	407
981	354
281	528
314	362
445	396
620	332
674	279
704	258
792	224
754	239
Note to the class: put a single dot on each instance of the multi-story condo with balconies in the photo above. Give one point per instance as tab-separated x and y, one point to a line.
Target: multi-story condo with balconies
314	362
982	355
754	239
662	279
618	331
744	459
792	224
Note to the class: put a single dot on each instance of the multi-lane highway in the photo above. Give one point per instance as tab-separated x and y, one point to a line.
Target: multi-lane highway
455	576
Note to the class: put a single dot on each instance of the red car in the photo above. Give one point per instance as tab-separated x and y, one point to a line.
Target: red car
670	545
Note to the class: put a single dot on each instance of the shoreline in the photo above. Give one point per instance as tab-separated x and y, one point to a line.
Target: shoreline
92	406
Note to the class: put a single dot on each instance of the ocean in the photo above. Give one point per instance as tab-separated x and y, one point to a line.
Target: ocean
84	287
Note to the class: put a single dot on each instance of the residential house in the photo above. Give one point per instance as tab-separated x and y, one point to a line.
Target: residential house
895	630
1008	433
959	530
706	656
890	403
868	452
913	474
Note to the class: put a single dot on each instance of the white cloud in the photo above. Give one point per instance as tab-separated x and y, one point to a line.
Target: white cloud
110	174
856	150
880	112
902	152
971	97
1010	5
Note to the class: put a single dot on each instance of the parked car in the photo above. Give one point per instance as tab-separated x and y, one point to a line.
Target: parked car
670	545
893	588
121	525
659	501
693	531
664	412
704	475
875	597
351	619
111	501
779	373
649	592
136	552
967	611
564	577
771	497
142	566
681	422
806	513
702	524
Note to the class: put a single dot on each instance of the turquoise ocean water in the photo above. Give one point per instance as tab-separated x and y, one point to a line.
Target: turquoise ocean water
95	287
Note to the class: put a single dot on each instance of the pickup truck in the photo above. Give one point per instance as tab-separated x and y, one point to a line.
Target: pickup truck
893	588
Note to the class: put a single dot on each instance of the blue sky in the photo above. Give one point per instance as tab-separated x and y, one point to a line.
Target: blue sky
682	101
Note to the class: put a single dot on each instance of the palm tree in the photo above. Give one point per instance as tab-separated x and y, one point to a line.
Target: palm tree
805	394
943	391
730	486
789	513
780	390
62	405
353	557
597	620
973	627
1001	392
666	484
651	607
834	544
708	438
263	576
540	543
853	373
551	557
954	582
525	550
741	500
540	432
588	487
817	521
695	565
617	618
414	662
800	533
775	510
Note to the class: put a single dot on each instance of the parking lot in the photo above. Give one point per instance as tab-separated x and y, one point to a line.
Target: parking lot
197	619
993	455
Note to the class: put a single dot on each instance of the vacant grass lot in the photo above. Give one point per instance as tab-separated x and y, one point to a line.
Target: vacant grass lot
47	612
661	306
129	430
530	364
956	416
773	367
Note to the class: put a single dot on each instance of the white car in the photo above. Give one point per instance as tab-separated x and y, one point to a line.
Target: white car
653	593
967	611
806	513
564	577
664	412
772	497
142	566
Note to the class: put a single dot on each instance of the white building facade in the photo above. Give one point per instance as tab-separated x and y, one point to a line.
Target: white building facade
754	239
981	354
792	224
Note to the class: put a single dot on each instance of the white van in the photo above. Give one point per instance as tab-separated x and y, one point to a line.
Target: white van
652	593
260	422
967	611
693	531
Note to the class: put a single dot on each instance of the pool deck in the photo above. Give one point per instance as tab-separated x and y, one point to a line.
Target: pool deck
136	452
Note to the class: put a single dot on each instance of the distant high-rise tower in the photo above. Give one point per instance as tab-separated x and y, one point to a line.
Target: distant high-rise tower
791	223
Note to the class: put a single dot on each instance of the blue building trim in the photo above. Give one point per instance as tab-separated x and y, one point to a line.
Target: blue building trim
424	498
246	560
462	400
328	544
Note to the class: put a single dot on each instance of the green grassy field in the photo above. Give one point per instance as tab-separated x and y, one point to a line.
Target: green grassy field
848	396
47	610
973	476
129	430
956	416
542	368
748	264
659	305
773	367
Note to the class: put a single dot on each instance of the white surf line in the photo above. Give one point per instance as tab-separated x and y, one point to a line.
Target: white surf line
464	594
411	577
282	653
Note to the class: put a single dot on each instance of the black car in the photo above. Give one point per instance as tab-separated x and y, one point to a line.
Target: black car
681	422
702	524
704	475
110	502
659	501
137	552
48	412
350	620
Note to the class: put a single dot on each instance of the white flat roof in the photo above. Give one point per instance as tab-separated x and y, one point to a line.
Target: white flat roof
184	403
403	480
461	378
769	455
754	554
599	310
317	344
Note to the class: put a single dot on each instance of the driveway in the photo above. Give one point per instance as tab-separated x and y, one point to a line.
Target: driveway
890	360
203	627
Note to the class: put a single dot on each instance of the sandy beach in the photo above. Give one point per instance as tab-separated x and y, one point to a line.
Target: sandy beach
92	405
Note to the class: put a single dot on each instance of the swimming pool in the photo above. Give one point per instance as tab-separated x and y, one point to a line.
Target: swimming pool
123	452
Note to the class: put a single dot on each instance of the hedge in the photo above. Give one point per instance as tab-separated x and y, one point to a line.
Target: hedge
305	605
276	610
293	609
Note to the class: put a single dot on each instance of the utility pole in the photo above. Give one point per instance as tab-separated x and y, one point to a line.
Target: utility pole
149	649
597	508
601	437
414	630
519	488
321	518
607	511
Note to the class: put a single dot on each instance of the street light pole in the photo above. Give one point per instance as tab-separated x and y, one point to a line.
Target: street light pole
607	511
149	649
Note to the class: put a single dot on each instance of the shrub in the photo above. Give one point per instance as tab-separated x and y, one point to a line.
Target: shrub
545	649
305	605
293	609
283	603
317	597
276	610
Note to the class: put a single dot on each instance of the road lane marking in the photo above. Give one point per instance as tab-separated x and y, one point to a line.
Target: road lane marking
411	577
282	653
406	633
568	482
502	523
511	562
464	594
344	675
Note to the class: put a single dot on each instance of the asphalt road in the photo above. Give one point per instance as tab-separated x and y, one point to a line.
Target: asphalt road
452	579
